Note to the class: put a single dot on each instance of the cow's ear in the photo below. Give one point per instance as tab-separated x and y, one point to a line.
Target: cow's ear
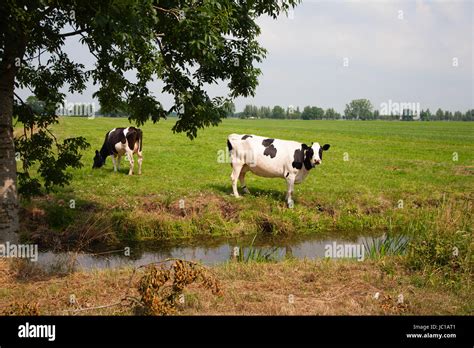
326	147
304	147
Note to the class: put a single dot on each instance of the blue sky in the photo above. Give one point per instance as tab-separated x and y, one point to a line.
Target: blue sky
403	51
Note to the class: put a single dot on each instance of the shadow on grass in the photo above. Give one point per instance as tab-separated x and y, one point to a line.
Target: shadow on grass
122	171
256	192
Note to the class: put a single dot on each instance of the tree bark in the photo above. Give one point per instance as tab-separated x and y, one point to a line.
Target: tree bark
9	221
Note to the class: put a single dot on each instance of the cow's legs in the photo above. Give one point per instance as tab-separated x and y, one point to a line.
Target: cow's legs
118	162
140	160
243	171
236	169
290	180
132	162
113	162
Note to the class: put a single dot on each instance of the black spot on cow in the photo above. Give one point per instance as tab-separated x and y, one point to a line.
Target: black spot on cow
113	138
246	136
308	155
303	157
270	151
298	158
267	142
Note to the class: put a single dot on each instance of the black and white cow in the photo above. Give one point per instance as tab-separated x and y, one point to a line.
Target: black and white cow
272	158
119	142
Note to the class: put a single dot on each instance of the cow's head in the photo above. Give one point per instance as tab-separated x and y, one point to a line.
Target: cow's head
314	154
98	160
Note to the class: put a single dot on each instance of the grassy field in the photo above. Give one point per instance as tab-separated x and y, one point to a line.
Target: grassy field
395	159
376	175
410	179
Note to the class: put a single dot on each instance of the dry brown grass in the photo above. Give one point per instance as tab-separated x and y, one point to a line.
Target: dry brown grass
317	288
53	293
321	288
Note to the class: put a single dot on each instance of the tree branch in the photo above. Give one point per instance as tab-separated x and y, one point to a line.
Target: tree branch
34	57
72	33
174	12
90	48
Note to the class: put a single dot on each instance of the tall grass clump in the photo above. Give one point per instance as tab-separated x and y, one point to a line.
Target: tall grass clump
255	254
444	247
388	245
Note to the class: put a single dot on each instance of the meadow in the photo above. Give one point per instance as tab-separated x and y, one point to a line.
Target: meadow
376	175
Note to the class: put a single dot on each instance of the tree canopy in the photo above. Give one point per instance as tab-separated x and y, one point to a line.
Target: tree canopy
360	109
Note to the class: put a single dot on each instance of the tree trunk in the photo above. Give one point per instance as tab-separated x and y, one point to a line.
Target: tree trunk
9	222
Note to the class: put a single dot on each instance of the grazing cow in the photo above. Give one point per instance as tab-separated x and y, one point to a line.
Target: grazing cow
272	158
119	142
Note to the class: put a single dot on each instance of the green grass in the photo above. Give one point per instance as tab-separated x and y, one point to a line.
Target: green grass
387	162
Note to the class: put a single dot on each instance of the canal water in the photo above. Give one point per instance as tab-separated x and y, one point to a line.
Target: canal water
208	253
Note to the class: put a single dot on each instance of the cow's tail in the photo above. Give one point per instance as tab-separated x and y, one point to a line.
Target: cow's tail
140	139
233	141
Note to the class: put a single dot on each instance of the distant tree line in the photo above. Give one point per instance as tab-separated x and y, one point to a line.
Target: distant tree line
359	109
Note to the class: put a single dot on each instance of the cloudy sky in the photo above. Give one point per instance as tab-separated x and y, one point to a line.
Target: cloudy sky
395	50
327	53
